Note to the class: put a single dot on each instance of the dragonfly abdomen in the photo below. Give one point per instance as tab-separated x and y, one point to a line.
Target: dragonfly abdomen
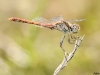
22	20
48	25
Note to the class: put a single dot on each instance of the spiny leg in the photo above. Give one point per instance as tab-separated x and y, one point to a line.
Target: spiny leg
61	42
71	36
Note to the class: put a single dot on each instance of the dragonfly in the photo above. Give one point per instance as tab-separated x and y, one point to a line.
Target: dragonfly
55	23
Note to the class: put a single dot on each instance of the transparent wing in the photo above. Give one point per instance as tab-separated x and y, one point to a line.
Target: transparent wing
77	20
40	19
43	22
56	19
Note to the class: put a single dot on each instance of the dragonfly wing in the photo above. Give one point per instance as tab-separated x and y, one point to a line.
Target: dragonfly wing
40	19
43	22
56	19
77	20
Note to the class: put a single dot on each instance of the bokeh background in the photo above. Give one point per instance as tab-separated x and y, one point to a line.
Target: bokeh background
29	50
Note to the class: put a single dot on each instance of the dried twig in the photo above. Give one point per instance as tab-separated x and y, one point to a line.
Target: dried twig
69	57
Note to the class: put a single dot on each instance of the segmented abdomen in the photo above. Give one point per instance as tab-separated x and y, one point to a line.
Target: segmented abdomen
22	20
48	25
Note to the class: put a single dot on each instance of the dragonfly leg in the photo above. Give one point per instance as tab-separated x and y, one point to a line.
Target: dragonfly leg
61	42
71	36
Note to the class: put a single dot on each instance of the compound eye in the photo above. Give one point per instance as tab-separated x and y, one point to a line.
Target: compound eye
75	28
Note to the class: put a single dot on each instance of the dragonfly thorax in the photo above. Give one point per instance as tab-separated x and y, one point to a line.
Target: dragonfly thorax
67	27
62	27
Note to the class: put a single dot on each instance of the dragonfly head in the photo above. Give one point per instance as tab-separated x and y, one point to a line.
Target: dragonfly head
75	28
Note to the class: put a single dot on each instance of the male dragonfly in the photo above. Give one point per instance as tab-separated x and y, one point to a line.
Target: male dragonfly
57	23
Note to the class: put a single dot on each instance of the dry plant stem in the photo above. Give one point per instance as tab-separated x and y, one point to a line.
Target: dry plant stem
69	57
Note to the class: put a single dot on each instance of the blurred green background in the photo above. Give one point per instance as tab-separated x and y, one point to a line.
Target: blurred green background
29	50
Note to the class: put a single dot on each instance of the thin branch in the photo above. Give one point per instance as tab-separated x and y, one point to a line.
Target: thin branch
69	57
